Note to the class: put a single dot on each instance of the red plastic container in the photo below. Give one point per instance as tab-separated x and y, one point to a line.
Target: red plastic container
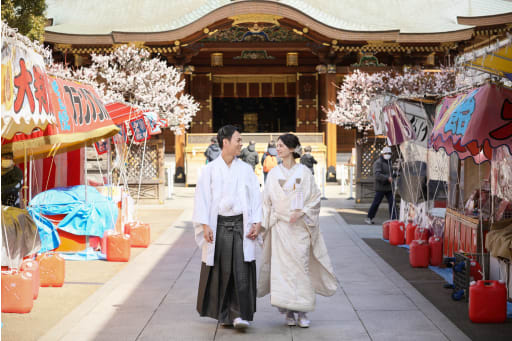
421	233
487	302
52	269
129	226
409	232
419	254
140	235
436	250
118	247
32	266
475	271
396	232
17	292
385	230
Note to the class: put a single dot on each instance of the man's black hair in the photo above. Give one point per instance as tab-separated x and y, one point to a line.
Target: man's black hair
225	132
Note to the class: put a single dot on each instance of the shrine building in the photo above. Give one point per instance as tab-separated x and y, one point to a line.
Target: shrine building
272	66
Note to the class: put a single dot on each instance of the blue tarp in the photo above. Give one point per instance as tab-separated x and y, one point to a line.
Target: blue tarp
91	217
88	254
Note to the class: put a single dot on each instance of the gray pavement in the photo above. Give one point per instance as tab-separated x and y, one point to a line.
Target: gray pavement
154	296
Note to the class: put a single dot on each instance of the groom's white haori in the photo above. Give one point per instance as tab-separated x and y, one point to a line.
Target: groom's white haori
223	189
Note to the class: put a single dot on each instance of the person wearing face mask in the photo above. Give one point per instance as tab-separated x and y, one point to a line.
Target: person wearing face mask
383	172
12	180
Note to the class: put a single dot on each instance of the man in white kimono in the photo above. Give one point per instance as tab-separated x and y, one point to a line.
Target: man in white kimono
227	220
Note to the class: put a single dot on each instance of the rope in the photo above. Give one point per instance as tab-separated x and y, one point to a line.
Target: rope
102	179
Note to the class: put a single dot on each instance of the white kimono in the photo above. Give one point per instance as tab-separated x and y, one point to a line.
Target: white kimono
295	262
240	181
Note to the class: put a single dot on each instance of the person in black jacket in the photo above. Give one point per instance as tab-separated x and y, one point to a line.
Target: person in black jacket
250	155
213	150
308	160
12	180
383	173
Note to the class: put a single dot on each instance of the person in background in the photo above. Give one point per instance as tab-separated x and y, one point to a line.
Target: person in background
12	180
227	221
250	155
308	160
213	150
383	173
272	161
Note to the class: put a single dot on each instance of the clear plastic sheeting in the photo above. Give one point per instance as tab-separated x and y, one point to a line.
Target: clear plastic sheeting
438	165
417	213
412	183
19	236
501	173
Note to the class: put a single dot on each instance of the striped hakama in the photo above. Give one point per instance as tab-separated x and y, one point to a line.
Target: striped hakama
227	289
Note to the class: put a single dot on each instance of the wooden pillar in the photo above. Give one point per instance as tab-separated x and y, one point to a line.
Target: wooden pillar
179	154
329	98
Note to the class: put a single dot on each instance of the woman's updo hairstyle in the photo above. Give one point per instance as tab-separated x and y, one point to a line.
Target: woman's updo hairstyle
291	141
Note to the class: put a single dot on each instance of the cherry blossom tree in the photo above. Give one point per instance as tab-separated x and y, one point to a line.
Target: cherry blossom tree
35	45
129	74
359	88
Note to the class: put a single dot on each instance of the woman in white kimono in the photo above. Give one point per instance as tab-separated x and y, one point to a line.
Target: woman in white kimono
295	264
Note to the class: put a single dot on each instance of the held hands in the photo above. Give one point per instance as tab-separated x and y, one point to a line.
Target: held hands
208	233
255	230
296	215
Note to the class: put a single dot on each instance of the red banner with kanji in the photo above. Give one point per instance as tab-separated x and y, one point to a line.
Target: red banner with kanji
81	118
25	99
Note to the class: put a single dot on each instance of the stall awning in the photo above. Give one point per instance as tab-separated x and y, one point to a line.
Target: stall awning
141	123
81	118
497	62
471	124
122	112
24	95
400	120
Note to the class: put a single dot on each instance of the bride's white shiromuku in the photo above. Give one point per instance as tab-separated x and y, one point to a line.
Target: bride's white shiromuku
295	264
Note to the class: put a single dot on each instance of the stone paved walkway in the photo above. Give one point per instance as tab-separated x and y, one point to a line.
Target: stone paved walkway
154	296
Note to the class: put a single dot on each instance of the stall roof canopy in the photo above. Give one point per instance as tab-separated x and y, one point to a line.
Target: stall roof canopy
473	123
496	59
121	112
401	18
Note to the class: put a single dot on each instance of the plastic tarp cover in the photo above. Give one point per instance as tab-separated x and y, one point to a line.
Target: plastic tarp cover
413	181
90	215
19	236
501	174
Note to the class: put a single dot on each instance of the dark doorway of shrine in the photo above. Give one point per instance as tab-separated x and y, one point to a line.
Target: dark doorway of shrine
255	115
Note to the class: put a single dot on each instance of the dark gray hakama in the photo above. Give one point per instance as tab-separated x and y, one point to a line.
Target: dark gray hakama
227	289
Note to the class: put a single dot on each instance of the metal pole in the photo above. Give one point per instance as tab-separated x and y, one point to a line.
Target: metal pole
25	179
350	185
30	177
323	183
85	171
342	178
109	166
85	182
170	183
